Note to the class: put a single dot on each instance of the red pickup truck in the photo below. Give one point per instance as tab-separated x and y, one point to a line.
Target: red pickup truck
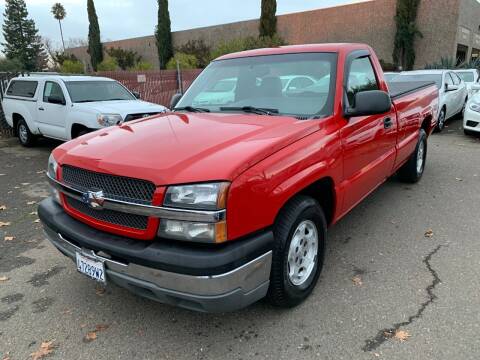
227	199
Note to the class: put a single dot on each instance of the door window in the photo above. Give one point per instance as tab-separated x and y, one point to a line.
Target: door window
361	78
455	78
448	79
53	93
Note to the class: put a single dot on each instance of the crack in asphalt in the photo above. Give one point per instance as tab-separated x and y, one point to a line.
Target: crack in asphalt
385	334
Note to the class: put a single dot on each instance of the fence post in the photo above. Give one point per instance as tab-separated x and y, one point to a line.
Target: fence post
179	78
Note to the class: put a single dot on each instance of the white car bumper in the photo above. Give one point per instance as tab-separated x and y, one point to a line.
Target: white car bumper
471	120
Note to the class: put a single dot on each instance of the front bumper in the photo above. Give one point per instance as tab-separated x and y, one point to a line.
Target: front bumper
208	279
471	120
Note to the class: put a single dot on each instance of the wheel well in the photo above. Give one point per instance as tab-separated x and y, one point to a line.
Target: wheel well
76	128
323	191
427	124
16	117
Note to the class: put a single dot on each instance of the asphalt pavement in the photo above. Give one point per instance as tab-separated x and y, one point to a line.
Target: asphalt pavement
401	280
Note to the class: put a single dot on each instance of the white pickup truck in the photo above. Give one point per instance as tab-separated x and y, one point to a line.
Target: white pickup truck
65	107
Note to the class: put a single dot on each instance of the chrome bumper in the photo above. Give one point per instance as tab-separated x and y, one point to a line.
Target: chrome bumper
217	293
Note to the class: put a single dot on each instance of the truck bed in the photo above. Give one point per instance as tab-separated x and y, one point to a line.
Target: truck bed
400	88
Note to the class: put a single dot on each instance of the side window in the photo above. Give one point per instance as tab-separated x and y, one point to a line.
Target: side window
459	79
360	78
53	93
456	80
22	88
448	79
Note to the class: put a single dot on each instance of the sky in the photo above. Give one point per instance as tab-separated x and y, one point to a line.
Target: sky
122	19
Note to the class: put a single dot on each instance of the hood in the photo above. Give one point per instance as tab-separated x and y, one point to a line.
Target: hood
179	148
122	107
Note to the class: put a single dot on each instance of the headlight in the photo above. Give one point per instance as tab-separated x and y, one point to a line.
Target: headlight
200	197
109	119
52	172
210	196
193	231
475	107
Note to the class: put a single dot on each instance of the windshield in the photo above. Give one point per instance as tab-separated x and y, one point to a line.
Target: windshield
436	78
291	84
466	76
89	91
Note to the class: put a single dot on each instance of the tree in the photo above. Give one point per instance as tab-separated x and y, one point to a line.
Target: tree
407	32
59	14
268	18
21	35
185	61
199	49
95	48
42	58
125	59
163	34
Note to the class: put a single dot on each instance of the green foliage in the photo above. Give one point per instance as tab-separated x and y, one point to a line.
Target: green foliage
60	57
184	60
248	43
72	67
199	49
11	65
163	34
407	32
268	18
21	35
142	66
108	64
95	48
125	59
472	64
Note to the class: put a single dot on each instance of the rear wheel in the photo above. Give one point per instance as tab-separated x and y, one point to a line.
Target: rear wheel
25	136
300	236
441	120
413	169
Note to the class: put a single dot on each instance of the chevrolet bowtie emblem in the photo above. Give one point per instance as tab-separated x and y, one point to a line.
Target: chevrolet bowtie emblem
94	199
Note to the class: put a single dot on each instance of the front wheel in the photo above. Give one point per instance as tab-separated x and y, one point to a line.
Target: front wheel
300	235
441	121
413	169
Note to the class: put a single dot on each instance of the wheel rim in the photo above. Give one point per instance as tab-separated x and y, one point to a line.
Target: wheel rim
302	254
23	133
420	157
441	120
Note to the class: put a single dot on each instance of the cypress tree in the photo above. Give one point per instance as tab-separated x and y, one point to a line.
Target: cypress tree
407	32
163	34
21	35
268	19
95	48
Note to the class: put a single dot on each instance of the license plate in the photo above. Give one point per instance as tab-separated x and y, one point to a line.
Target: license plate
92	268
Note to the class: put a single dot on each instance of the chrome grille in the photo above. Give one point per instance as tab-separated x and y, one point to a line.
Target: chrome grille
114	187
131	117
114	217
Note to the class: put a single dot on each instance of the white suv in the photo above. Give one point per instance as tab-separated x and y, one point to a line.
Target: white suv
65	107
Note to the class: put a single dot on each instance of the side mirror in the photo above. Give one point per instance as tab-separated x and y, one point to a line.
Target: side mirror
175	99
56	100
370	102
449	87
136	94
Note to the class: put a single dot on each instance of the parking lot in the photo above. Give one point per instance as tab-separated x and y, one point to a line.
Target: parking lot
405	262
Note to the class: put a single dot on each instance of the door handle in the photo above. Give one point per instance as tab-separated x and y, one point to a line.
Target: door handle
41	109
387	123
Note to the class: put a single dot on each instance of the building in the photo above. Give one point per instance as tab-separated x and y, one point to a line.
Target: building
450	28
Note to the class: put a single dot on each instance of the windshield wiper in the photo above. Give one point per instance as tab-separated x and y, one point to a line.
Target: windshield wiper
251	109
85	101
192	109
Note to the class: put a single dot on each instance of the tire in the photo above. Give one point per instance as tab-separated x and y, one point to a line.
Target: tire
25	136
441	120
413	170
303	217
82	132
